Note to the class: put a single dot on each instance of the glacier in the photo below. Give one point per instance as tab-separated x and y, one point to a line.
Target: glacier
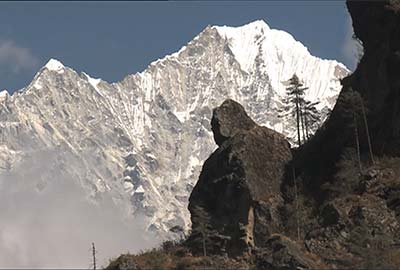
142	140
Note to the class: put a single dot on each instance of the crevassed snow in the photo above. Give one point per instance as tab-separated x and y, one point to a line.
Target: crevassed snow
55	65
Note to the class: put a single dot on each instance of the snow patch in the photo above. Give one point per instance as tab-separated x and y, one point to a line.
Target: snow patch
94	82
194	161
128	186
37	85
182	116
55	65
140	189
3	95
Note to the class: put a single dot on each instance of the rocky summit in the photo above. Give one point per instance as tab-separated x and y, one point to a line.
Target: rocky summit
239	185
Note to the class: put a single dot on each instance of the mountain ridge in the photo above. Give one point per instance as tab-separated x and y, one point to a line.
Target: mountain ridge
143	138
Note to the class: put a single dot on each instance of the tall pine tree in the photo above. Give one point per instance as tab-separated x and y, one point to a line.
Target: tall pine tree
295	102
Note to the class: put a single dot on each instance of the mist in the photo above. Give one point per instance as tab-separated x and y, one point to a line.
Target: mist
48	221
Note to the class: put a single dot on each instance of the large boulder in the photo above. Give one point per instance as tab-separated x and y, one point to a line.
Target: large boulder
239	185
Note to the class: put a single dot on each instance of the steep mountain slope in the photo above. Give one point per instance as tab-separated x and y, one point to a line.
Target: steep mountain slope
143	140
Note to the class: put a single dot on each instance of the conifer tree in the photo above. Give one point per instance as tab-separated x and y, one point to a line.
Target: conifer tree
294	104
202	221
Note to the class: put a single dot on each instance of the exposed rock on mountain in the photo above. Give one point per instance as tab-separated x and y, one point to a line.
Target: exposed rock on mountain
239	185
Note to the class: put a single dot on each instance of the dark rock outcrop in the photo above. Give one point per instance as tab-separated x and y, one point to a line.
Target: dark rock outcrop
239	186
377	25
229	119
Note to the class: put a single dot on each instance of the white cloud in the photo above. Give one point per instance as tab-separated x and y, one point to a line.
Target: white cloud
47	220
15	58
351	49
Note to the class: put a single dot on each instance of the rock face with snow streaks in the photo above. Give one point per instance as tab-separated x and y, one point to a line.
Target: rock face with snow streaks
143	139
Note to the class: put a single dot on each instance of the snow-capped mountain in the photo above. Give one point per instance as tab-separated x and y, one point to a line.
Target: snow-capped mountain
143	140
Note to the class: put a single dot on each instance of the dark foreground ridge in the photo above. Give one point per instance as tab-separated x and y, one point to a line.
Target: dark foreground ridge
260	205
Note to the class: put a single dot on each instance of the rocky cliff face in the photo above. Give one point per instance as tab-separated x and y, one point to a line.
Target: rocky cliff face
377	25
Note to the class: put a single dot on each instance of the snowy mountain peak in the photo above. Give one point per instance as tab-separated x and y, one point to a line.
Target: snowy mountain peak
255	26
54	65
257	38
142	141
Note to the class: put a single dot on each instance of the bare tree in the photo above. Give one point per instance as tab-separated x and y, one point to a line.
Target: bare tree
94	256
353	108
367	131
297	203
